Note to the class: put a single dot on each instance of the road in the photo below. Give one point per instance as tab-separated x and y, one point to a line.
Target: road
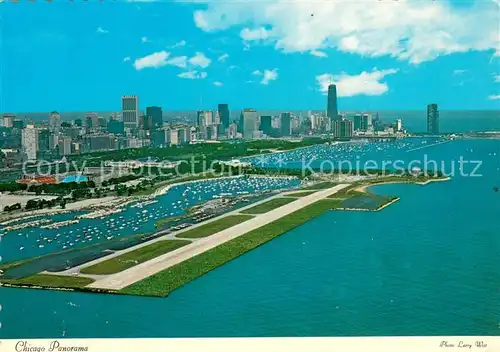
128	277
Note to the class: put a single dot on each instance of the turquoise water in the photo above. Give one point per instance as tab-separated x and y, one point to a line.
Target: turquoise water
427	265
75	178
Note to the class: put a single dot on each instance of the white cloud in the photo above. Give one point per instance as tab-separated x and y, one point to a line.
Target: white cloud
192	75
178	44
101	30
145	40
318	53
365	83
155	60
254	34
200	60
218	84
223	57
496	78
256	72
494	97
126	58
411	30
179	61
269	75
459	72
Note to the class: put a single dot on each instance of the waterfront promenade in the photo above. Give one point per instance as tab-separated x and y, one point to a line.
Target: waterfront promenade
128	277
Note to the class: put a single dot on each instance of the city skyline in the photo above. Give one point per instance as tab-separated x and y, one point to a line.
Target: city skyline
259	58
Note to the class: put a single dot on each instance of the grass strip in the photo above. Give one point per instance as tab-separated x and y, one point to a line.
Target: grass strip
299	194
268	206
45	280
164	282
130	259
214	226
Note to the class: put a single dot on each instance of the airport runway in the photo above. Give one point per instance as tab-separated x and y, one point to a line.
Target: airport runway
128	277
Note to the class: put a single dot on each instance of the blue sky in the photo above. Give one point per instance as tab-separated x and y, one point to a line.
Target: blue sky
266	55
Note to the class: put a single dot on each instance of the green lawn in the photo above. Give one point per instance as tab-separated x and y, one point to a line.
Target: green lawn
172	278
51	281
133	258
321	185
299	194
214	227
268	206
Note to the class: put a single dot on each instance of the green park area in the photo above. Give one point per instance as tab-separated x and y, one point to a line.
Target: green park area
268	206
299	194
164	282
56	281
214	226
134	257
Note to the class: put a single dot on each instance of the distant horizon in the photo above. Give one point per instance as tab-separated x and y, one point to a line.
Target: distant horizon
239	109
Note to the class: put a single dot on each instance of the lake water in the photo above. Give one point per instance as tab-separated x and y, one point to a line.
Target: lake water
427	265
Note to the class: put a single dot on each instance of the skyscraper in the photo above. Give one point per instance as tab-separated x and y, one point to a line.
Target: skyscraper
43	140
224	115
249	119
265	125
156	116
286	127
54	122
8	120
432	119
130	111
342	128
29	141
332	111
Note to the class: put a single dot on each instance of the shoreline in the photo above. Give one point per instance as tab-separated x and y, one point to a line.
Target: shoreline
365	188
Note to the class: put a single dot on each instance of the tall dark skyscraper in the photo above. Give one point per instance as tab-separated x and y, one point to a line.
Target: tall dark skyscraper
266	125
224	115
332	110
286	127
156	115
432	119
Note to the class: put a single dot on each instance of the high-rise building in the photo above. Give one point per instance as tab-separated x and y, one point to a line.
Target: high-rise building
146	122
18	123
156	115
8	120
43	140
54	122
205	120
286	126
130	111
174	137
432	119
266	125
332	110
357	122
158	138
65	146
29	141
224	115
342	128
232	130
78	122
399	125
116	127
363	122
249	119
